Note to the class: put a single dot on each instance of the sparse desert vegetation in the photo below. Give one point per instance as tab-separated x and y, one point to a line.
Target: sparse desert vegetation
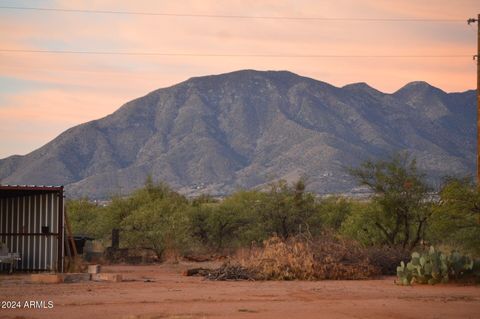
279	252
286	233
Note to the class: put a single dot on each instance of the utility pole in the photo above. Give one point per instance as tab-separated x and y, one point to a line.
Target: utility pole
477	57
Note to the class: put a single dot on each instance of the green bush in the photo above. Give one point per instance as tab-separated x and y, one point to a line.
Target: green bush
401	197
330	213
361	225
85	218
456	218
287	210
247	217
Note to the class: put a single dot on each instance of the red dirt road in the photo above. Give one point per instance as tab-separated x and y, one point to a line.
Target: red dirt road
171	295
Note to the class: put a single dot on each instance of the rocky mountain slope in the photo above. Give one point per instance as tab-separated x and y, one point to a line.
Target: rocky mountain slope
242	129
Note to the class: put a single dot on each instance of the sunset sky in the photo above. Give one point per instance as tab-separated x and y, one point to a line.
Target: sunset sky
42	94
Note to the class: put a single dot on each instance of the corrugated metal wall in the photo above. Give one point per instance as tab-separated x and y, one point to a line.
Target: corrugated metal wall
21	222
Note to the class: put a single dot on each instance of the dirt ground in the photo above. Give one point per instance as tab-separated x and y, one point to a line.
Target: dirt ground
160	291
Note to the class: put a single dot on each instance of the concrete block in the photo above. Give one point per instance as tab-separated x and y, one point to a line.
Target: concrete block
107	277
94	269
46	278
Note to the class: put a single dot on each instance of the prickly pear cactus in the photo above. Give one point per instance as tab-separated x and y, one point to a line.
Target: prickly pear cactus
434	267
404	275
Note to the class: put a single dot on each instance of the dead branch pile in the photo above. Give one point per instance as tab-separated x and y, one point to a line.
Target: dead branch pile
282	260
337	258
227	271
300	258
197	272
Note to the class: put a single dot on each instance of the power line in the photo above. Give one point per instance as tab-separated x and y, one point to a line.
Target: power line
225	16
231	54
139	74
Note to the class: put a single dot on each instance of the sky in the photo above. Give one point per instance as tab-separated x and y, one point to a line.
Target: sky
43	94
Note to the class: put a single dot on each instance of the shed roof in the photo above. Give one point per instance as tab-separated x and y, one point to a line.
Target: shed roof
23	190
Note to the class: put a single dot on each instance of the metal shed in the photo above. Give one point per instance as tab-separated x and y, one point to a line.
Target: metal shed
32	225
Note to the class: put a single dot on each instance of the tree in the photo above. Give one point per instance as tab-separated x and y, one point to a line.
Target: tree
198	215
401	195
157	225
457	215
85	217
332	212
229	223
287	209
152	217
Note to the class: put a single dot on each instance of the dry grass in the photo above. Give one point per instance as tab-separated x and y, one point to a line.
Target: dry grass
281	260
298	258
337	258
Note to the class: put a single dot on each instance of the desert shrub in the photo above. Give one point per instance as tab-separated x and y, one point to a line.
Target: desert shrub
340	258
85	217
401	197
150	218
158	225
433	267
360	224
198	225
281	259
327	257
224	223
331	213
253	216
286	209
387	258
456	217
229	224
203	199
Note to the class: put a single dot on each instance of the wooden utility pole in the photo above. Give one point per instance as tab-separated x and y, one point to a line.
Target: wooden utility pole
477	57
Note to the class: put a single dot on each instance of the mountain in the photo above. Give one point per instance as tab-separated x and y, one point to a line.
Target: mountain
242	129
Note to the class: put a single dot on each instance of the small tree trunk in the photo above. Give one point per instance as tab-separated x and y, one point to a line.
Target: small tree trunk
406	231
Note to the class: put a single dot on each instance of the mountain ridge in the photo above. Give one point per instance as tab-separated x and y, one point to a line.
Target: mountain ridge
240	129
